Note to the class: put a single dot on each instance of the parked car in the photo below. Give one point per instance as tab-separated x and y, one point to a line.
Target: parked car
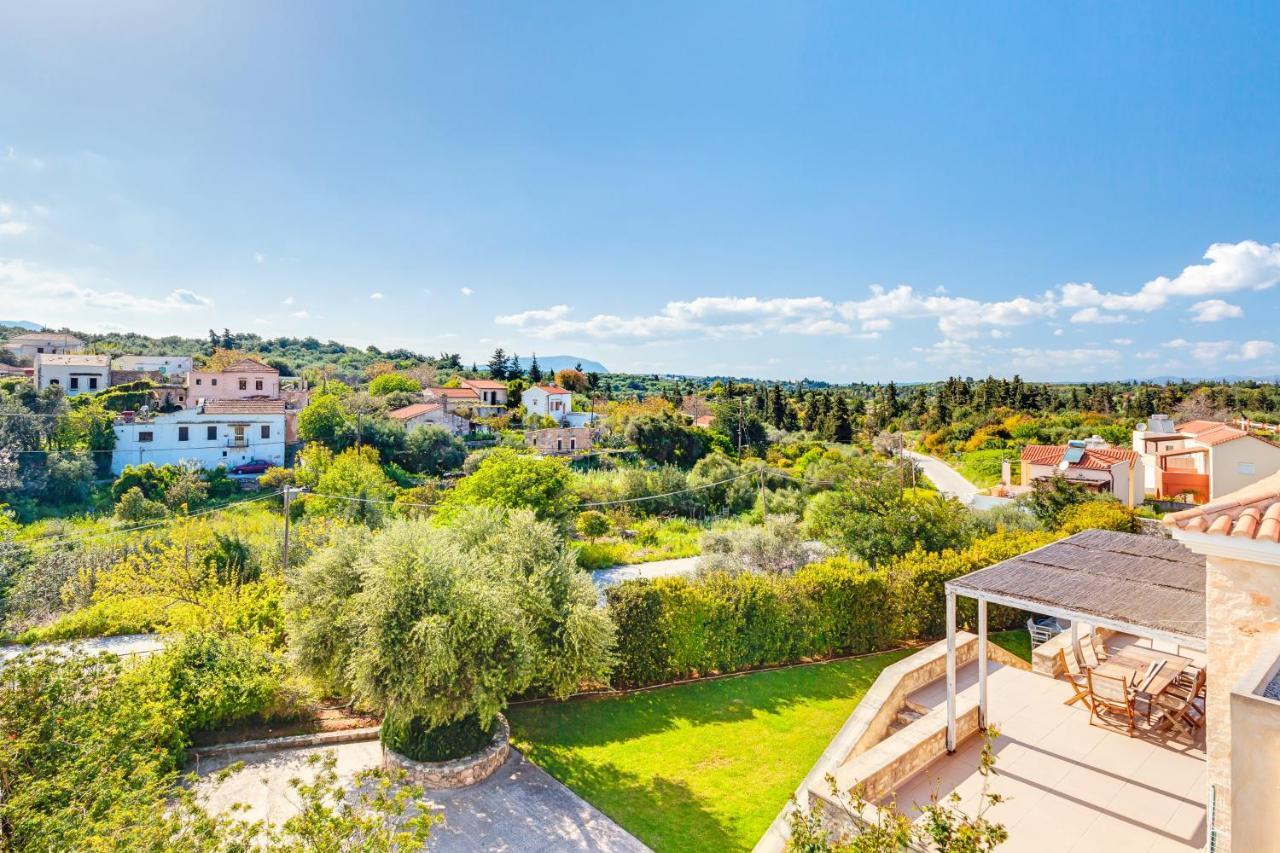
253	466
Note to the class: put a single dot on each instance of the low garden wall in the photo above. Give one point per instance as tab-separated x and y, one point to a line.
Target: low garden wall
460	772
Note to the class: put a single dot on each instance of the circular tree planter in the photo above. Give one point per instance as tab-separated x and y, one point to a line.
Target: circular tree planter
459	772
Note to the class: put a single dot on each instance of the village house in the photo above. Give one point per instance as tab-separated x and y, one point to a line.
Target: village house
31	344
420	414
218	432
166	365
75	374
560	441
492	396
245	379
550	401
1092	463
1200	460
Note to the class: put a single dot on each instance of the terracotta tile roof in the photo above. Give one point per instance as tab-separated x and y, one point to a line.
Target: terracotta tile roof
552	389
413	411
244	407
1250	513
454	393
704	420
1093	458
1198	426
486	384
248	365
1219	434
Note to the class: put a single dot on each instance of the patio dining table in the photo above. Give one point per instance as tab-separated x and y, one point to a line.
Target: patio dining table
1135	660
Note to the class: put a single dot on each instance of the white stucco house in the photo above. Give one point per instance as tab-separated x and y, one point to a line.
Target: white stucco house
221	432
169	365
75	374
553	402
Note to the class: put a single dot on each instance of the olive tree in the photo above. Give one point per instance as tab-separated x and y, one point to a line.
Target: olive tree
444	624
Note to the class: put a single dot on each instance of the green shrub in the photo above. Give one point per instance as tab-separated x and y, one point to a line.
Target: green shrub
216	680
411	737
678	627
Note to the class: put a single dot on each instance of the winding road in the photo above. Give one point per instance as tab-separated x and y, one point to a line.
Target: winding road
946	478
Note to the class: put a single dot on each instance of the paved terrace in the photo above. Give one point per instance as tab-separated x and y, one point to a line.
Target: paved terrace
1070	786
518	808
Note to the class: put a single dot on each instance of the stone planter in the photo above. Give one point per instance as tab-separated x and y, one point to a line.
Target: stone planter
459	772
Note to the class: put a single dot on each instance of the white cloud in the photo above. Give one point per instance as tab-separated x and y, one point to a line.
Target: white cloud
466	291
288	300
301	315
13	229
26	288
375	295
1122	342
1057	333
538	315
1213	310
1231	267
1095	315
259	257
1210	353
1054	360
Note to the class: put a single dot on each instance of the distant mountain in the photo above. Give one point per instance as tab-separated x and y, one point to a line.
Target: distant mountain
23	324
562	362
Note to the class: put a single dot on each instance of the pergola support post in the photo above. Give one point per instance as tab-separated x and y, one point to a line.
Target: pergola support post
982	664
951	671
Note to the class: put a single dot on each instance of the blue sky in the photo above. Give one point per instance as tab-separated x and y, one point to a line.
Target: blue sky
840	191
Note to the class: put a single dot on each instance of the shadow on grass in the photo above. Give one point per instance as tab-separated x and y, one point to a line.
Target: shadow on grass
663	813
597	722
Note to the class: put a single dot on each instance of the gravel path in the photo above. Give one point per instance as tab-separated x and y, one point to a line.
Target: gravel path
946	478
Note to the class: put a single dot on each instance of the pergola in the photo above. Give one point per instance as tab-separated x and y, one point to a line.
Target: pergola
1144	585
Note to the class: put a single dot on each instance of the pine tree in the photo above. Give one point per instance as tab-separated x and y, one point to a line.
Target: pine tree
514	371
498	364
839	428
535	372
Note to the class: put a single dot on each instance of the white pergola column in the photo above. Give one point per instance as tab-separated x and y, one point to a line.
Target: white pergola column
982	664
951	671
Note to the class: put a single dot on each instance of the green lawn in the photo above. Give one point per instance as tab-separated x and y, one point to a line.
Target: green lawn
1017	641
704	766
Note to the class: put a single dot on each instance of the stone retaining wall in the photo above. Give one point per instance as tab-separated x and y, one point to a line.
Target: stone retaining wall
458	773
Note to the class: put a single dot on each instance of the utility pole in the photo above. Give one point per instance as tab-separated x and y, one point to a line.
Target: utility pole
764	507
740	402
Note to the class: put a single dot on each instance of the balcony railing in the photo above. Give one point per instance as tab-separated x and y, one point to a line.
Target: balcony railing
237	442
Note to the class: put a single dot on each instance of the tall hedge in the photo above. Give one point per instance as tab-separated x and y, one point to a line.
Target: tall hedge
673	628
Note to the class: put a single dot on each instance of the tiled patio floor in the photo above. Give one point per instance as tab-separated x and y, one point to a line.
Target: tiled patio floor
1071	786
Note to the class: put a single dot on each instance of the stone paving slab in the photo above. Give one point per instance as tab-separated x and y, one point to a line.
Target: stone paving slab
520	808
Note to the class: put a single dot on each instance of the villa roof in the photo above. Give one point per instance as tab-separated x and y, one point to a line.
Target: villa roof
248	365
454	393
552	389
72	359
413	411
1093	458
1249	513
487	384
1125	578
44	337
244	407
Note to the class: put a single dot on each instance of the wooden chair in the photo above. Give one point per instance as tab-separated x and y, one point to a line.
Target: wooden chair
1110	696
1099	647
1071	670
1087	654
1185	710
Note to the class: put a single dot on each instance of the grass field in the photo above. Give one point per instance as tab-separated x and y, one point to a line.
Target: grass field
703	766
708	765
